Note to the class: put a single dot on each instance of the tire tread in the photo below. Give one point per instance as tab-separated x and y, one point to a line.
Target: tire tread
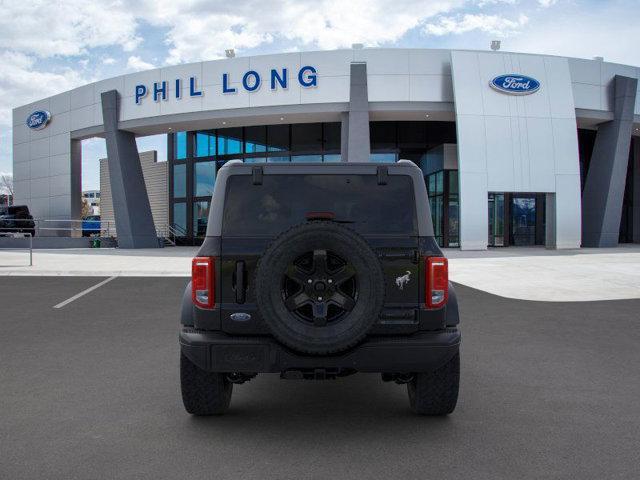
436	393
203	393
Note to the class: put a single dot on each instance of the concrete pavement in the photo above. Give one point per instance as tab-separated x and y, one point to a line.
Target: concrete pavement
170	262
550	275
521	273
91	391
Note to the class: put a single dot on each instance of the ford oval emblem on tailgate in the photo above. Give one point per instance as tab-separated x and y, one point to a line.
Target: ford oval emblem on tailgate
240	317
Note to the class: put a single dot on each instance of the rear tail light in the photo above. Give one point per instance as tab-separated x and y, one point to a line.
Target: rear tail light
437	282
203	282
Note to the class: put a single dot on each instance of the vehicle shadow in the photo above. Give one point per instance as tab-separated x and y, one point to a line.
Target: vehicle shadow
304	410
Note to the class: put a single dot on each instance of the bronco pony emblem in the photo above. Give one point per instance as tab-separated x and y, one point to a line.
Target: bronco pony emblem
402	280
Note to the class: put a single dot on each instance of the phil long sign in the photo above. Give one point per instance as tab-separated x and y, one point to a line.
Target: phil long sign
250	81
515	84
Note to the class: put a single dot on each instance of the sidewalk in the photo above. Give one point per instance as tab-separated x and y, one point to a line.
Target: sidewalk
521	273
533	273
154	262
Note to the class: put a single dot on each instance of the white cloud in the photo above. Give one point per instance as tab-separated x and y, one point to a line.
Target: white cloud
589	37
66	28
491	24
108	61
135	63
324	24
21	83
547	3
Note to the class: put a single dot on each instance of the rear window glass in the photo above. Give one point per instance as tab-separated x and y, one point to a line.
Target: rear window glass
285	200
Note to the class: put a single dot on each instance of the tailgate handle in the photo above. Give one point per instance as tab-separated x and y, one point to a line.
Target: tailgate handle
240	286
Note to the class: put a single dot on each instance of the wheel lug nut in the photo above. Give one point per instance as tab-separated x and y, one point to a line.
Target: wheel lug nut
319	299
309	281
330	281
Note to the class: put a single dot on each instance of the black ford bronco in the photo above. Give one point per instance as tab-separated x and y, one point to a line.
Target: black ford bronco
318	271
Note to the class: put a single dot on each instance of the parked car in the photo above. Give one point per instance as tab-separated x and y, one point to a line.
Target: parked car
91	225
17	219
319	271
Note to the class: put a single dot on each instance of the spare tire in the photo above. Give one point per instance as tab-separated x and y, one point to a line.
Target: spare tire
319	287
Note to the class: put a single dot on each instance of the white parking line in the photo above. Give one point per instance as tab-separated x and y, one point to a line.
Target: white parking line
84	292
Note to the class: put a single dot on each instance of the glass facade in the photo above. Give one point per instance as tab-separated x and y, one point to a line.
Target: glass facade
204	177
196	156
442	187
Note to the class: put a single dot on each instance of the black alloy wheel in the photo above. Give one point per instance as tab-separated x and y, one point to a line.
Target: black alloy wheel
320	287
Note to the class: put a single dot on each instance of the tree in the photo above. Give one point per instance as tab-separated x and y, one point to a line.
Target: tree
86	208
6	183
6	186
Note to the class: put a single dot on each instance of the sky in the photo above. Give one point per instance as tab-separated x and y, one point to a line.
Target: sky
48	47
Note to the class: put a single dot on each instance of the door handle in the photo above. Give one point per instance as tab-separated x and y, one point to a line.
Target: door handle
241	286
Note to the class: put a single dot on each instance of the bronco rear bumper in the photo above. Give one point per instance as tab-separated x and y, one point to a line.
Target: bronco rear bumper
218	352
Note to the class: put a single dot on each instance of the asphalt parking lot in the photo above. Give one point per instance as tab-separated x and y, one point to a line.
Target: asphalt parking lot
90	390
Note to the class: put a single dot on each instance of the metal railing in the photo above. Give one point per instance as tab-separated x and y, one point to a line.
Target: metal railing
20	235
171	233
78	228
45	227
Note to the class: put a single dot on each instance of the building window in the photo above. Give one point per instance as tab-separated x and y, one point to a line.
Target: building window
496	220
435	189
331	136
230	141
204	177
205	144
180	216
180	180
180	146
306	158
383	135
306	137
282	159
453	210
332	157
278	138
383	157
255	139
200	218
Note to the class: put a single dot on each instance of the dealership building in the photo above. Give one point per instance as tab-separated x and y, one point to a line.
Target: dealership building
516	149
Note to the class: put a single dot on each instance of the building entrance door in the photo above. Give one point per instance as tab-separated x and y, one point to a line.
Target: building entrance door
523	220
516	219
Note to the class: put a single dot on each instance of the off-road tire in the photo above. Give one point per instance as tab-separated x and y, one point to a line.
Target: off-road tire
354	325
436	393
203	393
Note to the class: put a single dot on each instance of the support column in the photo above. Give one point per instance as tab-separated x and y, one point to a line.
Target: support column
550	228
357	141
636	190
76	183
344	136
604	186
131	208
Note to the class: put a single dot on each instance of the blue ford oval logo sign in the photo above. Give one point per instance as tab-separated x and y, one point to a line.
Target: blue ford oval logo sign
38	119
515	84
